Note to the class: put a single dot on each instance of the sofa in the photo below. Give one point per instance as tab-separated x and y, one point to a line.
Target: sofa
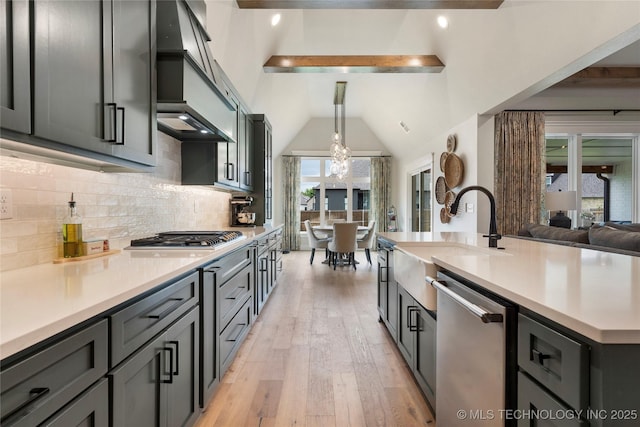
608	237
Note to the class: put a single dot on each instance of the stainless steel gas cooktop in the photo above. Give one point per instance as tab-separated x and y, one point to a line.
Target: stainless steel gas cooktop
188	240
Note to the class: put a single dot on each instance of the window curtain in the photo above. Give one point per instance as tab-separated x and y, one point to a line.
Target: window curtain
291	200
519	169
380	190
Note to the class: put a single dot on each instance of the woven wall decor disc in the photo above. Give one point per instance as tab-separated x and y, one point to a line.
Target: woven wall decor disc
452	141
444	218
453	170
443	158
441	190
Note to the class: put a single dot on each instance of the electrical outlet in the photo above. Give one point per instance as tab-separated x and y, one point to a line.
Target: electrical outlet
469	207
6	204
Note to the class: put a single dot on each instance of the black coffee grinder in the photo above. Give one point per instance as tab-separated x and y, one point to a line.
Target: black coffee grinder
240	216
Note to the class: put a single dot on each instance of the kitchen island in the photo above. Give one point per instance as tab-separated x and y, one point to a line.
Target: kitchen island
573	345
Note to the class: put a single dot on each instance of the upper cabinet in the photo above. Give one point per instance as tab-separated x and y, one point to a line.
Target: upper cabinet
226	165
263	169
15	86
93	77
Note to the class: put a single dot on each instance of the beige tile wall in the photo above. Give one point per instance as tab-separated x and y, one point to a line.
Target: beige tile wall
117	206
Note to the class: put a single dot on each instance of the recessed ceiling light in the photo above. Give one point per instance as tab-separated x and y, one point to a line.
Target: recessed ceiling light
204	131
183	117
443	21
275	19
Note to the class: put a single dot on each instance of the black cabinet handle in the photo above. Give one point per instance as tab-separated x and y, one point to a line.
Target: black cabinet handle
230	171
170	373
177	344
410	310
539	357
36	394
239	291
167	311
121	142
239	328
114	128
213	269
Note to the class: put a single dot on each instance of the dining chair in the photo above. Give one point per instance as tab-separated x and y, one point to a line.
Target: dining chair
343	243
315	241
366	241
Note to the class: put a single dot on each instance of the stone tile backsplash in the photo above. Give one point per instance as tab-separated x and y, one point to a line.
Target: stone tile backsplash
115	206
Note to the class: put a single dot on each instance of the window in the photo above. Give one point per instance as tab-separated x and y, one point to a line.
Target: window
600	169
421	193
342	200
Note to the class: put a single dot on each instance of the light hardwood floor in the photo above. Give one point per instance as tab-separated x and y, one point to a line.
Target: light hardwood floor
317	356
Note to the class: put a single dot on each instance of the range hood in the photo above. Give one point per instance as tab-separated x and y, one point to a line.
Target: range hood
193	103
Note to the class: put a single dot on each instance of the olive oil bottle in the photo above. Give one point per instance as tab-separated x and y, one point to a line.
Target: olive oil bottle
72	232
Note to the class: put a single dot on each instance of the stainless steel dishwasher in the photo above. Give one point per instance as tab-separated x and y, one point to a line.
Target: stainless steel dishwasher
475	355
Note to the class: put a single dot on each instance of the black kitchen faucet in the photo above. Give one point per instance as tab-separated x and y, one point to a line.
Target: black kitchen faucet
493	229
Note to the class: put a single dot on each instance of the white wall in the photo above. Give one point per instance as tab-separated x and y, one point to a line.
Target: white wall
117	206
471	134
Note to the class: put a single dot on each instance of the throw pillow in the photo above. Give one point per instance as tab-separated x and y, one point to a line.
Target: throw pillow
614	238
558	233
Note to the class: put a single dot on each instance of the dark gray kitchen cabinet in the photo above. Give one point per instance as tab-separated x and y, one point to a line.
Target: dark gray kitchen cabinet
90	409
158	385
226	285
263	169
228	158
136	324
275	256
15	84
560	371
233	299
245	149
417	342
36	386
263	273
209	354
93	68
387	288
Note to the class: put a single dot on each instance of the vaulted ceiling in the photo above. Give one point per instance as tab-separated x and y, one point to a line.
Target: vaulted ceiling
494	59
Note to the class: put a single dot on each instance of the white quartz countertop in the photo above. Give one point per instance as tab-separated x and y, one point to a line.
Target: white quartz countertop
594	293
40	301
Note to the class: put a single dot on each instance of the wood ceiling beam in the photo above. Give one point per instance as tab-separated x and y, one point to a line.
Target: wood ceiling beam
369	4
354	64
603	77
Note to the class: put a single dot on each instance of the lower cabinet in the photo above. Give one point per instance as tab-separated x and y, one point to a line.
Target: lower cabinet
263	269
35	388
90	409
417	342
158	384
387	288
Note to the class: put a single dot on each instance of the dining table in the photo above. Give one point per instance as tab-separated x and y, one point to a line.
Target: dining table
328	230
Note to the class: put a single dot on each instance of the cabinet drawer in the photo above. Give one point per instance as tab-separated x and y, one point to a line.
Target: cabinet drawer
133	326
35	388
232	336
232	263
533	400
234	293
89	409
556	361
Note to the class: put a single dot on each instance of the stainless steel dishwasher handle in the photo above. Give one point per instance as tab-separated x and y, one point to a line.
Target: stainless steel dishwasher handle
477	311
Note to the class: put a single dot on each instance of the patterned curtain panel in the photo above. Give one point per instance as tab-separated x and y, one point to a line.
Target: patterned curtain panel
520	169
380	190
291	196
